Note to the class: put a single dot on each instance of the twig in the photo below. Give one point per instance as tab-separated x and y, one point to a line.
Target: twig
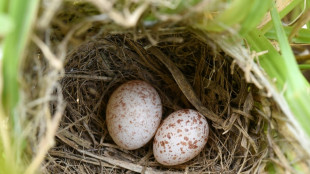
185	86
78	158
76	139
88	77
90	133
126	165
53	60
48	141
48	13
116	162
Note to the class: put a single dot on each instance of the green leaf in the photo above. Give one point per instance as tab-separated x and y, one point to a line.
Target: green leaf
285	47
302	37
272	62
22	14
234	14
258	11
178	6
3	6
285	70
291	6
304	66
6	25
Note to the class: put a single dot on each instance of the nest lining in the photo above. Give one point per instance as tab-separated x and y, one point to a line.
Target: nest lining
96	68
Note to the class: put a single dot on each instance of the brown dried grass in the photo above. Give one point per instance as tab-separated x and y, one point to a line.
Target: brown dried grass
245	126
198	76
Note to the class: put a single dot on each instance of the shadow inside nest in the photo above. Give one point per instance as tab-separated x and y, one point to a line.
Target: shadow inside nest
187	74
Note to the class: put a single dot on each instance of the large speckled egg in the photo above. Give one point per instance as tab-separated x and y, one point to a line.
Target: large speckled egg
133	114
181	137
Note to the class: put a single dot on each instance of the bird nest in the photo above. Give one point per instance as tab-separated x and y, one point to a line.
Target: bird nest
187	73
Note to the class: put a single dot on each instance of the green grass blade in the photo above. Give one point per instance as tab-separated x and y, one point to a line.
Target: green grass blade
272	61
302	20
282	13
297	93
21	14
179	7
302	37
3	6
284	68
6	25
304	66
258	11
308	6
231	16
285	47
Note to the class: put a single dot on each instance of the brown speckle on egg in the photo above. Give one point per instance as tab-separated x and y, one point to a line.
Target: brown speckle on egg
191	145
184	137
133	114
171	124
183	143
169	136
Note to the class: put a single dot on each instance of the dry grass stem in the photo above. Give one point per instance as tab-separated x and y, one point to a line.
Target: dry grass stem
87	50
116	59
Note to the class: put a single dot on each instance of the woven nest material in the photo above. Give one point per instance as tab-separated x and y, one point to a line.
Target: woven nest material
187	73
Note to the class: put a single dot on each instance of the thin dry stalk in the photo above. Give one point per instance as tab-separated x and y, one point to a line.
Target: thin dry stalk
174	61
116	59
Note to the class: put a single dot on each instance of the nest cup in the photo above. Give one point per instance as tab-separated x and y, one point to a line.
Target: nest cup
97	67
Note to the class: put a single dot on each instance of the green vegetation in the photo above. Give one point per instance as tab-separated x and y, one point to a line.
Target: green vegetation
16	18
242	19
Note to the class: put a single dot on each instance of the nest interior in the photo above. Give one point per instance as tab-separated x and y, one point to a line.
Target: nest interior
197	76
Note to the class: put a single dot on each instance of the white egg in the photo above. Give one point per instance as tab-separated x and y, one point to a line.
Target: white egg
133	114
181	137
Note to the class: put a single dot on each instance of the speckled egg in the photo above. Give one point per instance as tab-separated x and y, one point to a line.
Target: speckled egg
133	114
181	137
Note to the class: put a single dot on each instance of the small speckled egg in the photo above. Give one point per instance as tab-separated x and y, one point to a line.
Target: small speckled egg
133	114
181	137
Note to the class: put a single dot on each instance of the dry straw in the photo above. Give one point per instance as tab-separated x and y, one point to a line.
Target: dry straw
78	62
196	73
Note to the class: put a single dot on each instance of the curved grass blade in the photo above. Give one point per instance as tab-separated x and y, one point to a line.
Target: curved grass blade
302	37
255	16
22	14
